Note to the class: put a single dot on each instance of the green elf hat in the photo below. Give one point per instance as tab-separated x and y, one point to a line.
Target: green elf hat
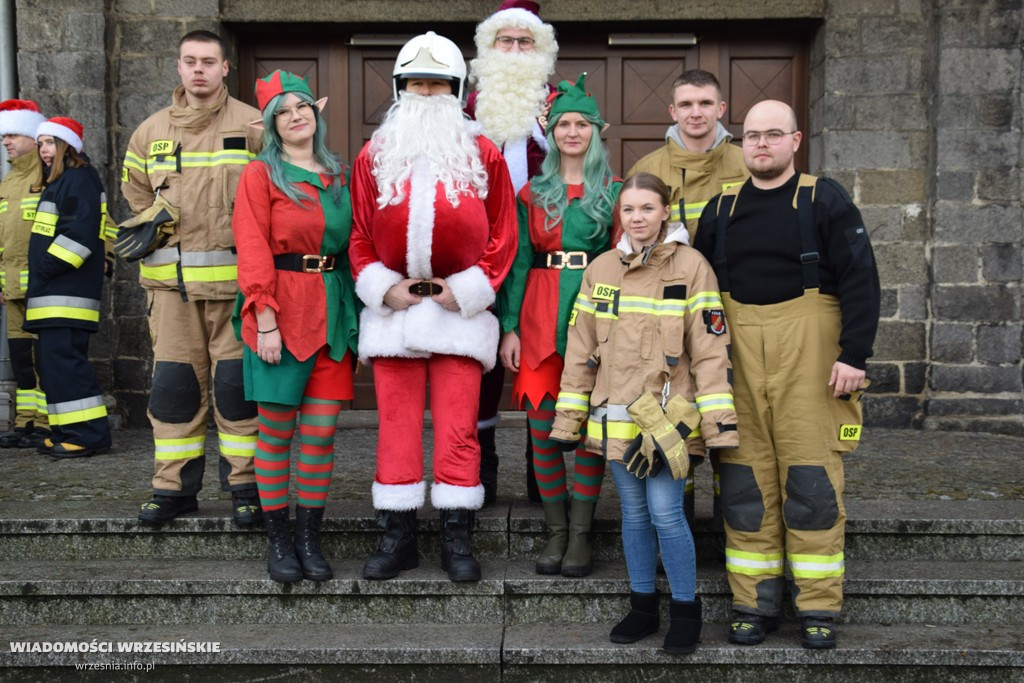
571	96
277	83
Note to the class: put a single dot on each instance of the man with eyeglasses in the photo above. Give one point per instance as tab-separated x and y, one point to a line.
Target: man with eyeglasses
180	173
800	290
516	54
697	162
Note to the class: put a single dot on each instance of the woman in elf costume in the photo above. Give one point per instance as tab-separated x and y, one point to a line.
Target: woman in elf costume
566	217
297	308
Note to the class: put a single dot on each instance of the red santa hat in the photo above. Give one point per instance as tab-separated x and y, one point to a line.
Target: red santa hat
20	117
524	14
65	128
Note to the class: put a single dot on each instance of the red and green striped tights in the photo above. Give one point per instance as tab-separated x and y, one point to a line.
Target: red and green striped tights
549	462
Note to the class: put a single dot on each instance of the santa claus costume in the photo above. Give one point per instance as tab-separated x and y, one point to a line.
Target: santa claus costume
434	228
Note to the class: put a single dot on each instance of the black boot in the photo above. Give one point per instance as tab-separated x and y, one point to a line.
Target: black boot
397	548
307	544
457	545
488	464
281	561
246	511
751	629
641	621
557	521
684	627
532	492
818	633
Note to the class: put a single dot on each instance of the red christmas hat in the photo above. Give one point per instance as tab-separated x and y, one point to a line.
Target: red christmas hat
530	6
65	128
20	117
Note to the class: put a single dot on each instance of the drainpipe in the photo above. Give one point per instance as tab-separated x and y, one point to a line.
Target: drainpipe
8	90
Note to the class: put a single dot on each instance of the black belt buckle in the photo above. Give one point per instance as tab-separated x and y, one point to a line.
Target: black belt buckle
425	288
314	263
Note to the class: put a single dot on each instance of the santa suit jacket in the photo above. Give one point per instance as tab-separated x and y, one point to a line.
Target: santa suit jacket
471	246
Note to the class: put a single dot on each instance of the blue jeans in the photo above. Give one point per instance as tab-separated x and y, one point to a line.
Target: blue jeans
652	506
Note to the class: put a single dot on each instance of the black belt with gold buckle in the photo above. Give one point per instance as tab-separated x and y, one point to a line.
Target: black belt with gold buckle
305	263
425	288
558	260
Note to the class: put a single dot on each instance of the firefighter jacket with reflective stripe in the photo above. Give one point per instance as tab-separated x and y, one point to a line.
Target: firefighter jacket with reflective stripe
694	177
641	320
17	212
197	171
65	253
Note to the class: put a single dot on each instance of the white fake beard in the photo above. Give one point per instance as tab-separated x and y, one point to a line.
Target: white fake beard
432	128
512	89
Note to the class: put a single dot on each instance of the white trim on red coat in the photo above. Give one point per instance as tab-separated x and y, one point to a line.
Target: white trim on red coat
419	241
451	497
373	283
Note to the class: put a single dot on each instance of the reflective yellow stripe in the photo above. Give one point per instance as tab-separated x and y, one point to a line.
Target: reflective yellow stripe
45	223
711	402
134	161
583	304
753	564
232	444
674	216
23	279
615	430
704	300
816	566
165	272
79	410
26	399
649	306
3	280
569	401
209	273
41	406
3	206
30	203
65	255
222	158
179	449
44	312
693	210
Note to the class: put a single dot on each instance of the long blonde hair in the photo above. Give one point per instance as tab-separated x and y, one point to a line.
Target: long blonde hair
65	157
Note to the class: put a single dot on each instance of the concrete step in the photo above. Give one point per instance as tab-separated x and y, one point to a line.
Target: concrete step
230	592
563	652
907	530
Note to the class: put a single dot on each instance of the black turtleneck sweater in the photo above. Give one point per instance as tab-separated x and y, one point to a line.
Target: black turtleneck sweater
763	256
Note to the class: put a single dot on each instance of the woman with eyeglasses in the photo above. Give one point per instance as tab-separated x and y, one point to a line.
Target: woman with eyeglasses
297	313
566	218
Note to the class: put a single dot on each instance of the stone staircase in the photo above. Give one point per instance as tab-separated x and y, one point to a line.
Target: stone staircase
934	591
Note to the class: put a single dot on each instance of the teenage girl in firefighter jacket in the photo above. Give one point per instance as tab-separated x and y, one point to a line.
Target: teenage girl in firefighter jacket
566	217
646	341
65	264
298	314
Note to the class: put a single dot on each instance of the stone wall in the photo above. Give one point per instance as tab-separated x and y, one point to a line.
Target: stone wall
915	106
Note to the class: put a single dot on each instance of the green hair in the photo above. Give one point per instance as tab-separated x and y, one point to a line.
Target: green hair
273	149
549	190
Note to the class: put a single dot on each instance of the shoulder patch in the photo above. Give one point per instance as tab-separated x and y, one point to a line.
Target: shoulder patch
714	321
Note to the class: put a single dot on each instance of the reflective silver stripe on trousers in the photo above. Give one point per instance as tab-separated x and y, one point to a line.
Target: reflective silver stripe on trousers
616	412
208	258
72	406
162	256
58	300
74	247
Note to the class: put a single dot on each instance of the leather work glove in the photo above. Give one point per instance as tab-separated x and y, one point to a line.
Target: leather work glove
146	232
640	459
669	442
565	442
685	417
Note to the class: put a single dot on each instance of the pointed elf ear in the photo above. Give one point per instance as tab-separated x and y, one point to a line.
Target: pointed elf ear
257	124
321	103
605	127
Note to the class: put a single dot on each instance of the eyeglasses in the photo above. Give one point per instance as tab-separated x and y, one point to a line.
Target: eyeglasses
303	109
506	42
773	137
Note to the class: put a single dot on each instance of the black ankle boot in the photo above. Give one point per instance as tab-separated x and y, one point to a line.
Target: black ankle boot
684	627
641	621
488	464
397	548
281	561
457	545
307	544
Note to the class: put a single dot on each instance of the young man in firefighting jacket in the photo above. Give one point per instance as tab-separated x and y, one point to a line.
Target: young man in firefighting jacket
180	173
801	295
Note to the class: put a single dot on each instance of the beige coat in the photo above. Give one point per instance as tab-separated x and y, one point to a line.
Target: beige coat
17	212
641	319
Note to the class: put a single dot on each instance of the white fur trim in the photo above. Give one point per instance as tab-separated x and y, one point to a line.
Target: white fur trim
450	497
373	283
514	152
414	333
488	423
399	497
20	122
472	290
420	231
59	131
538	136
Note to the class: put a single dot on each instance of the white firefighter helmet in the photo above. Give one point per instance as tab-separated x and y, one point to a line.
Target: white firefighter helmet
430	56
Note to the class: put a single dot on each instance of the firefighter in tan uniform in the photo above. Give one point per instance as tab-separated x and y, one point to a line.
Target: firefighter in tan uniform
801	295
18	122
697	162
180	173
